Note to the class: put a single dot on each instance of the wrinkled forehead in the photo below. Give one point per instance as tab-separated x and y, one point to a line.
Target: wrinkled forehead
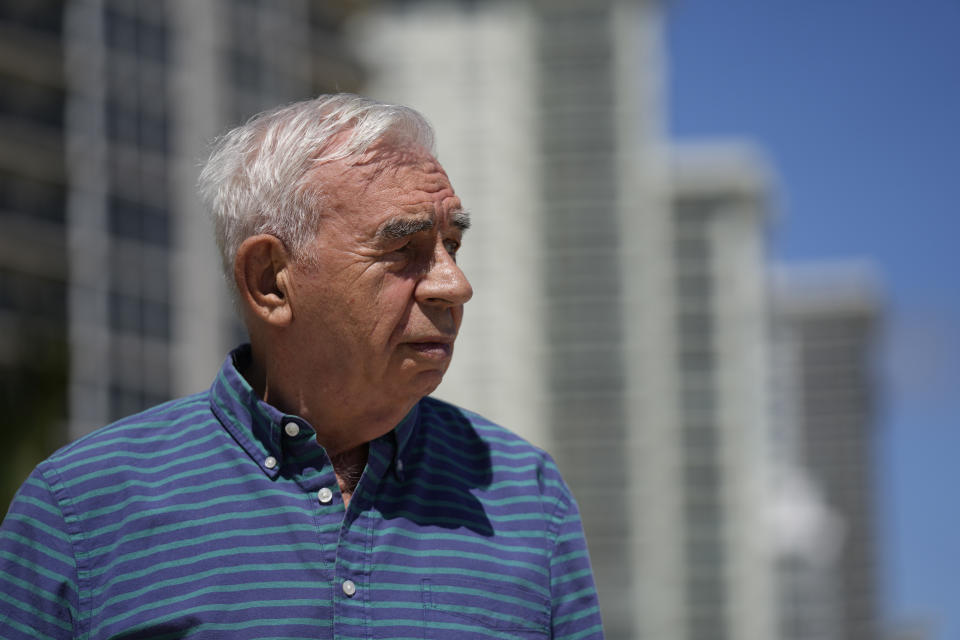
397	160
387	181
403	170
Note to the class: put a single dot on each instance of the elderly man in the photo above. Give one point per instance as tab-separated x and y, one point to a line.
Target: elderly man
315	490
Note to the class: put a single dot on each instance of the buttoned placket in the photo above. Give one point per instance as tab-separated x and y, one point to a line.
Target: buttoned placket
316	476
308	464
344	535
353	564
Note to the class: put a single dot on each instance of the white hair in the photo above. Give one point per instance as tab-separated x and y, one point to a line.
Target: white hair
258	178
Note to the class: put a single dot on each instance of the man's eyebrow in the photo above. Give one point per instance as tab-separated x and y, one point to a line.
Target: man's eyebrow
460	219
402	227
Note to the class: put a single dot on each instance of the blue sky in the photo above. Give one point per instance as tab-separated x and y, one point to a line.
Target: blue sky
857	105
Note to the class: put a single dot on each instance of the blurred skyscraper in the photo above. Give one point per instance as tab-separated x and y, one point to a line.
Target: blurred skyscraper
619	315
148	84
826	320
547	115
110	291
33	264
717	444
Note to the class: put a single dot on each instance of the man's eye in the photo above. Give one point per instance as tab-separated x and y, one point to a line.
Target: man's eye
452	246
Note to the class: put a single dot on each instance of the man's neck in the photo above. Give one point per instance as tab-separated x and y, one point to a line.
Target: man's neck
343	425
349	466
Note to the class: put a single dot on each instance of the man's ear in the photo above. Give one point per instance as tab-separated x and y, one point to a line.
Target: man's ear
261	270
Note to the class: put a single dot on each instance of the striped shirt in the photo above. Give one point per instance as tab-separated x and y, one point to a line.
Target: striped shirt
218	516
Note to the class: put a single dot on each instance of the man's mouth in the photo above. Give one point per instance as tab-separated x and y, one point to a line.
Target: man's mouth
433	349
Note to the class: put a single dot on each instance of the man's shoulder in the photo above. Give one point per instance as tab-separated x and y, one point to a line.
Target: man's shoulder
459	419
167	421
467	430
505	464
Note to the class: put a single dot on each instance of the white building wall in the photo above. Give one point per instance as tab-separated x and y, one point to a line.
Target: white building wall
200	304
471	75
730	187
825	320
86	148
648	306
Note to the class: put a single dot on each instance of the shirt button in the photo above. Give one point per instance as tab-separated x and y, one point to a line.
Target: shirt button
325	495
270	462
399	466
292	429
349	588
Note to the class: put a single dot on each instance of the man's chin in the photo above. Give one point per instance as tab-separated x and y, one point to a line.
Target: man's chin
426	382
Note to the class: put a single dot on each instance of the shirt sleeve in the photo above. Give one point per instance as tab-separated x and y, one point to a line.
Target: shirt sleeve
575	608
38	570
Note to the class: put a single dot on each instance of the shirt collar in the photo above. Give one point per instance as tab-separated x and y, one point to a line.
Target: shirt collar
258	427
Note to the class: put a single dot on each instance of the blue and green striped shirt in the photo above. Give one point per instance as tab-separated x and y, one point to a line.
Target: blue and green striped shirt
218	516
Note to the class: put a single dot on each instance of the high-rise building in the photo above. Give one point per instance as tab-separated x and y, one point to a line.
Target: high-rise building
715	449
148	84
33	265
111	297
619	315
826	319
546	118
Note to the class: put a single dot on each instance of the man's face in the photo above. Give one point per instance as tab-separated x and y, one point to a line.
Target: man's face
379	299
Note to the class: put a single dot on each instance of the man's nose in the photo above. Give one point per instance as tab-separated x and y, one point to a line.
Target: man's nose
444	283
